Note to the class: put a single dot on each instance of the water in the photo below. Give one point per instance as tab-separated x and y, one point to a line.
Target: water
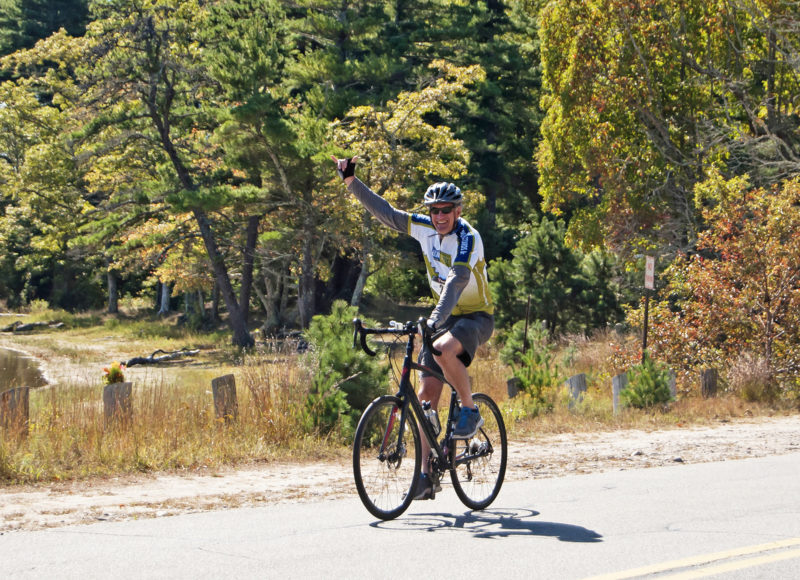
18	370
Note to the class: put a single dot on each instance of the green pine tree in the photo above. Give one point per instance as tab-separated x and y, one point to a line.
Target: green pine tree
648	385
23	22
346	380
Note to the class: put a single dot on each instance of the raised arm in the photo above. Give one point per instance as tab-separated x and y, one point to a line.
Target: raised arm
383	211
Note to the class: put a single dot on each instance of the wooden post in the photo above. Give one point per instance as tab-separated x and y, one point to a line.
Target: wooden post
673	384
577	387
15	410
512	385
649	285
117	404
708	386
225	405
618	384
644	330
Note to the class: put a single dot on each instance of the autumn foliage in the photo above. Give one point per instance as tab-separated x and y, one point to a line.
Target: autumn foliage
738	294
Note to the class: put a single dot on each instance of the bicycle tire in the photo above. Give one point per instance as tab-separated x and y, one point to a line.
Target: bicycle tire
385	480
479	463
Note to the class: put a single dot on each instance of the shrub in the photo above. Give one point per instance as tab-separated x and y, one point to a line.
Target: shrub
38	306
6	469
648	385
345	380
538	373
751	379
514	342
738	291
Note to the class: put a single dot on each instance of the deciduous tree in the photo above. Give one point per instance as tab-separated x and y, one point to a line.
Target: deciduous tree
740	293
645	98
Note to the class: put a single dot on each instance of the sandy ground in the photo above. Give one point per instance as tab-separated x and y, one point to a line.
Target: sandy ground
159	495
55	354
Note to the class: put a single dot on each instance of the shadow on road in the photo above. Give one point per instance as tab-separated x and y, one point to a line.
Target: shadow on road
497	523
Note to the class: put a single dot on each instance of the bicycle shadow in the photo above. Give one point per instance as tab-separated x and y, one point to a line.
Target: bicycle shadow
493	523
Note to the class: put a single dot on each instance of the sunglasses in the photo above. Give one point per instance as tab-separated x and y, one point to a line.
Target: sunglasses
444	210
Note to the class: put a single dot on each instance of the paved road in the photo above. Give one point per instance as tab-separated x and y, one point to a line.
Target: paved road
735	519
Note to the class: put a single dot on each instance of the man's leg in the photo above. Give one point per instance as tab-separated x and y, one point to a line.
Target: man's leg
454	370
470	420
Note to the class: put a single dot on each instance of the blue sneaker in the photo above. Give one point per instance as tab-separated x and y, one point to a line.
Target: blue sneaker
469	421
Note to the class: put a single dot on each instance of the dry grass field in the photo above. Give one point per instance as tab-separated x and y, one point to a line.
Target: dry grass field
174	427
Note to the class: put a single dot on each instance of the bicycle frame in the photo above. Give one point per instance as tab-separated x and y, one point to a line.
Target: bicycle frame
386	483
409	397
407	394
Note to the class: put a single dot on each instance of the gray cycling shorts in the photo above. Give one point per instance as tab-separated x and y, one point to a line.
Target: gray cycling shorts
471	330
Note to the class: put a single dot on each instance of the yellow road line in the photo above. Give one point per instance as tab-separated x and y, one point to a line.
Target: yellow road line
737	565
702	559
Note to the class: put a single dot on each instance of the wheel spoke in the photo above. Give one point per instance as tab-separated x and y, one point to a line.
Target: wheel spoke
385	461
481	461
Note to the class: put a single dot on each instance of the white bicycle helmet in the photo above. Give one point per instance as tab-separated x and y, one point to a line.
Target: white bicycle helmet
443	193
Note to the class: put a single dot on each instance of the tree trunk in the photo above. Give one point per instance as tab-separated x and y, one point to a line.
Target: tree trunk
283	290
201	304
361	282
305	301
113	292
248	258
165	294
272	318
241	336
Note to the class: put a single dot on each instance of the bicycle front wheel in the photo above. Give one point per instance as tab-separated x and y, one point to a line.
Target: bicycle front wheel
386	458
479	464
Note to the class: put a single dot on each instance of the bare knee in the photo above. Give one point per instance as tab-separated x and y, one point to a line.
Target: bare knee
449	346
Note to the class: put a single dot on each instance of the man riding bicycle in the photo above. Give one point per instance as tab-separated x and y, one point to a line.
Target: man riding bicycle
456	268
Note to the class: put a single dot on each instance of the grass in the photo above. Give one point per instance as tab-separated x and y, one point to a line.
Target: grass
174	426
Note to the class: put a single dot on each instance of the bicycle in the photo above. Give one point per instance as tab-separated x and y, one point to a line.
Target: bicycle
386	452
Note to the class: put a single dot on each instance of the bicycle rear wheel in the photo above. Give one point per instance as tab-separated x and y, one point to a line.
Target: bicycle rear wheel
386	462
479	464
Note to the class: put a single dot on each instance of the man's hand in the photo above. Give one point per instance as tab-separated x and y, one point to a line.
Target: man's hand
431	324
345	167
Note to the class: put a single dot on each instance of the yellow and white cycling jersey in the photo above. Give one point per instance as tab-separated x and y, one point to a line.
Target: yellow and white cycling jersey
461	247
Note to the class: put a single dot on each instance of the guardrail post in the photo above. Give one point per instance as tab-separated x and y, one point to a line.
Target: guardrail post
15	410
618	383
512	385
673	384
577	387
117	404
226	406
708	385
